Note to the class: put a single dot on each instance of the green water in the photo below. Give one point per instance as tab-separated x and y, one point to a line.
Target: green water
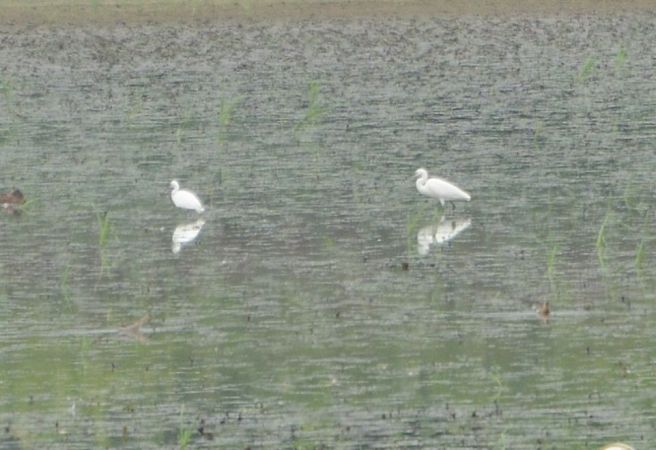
310	311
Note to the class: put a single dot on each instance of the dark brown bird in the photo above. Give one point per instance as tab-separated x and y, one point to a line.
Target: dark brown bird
543	311
14	197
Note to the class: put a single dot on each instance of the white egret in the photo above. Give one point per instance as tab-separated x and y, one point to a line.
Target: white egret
439	188
616	446
185	199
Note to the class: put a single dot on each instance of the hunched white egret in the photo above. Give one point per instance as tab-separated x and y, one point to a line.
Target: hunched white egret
185	199
438	188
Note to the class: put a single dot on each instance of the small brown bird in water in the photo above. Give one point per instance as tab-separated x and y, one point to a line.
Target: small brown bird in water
14	197
543	311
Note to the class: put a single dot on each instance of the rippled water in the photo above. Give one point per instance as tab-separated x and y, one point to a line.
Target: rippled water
324	302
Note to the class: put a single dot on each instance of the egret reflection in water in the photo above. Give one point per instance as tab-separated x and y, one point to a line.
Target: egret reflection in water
440	233
185	234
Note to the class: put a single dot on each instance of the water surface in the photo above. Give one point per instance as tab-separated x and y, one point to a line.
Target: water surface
317	307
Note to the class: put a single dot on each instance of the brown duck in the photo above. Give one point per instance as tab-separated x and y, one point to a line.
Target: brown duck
14	197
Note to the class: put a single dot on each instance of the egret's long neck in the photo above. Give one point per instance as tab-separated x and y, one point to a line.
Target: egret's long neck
421	184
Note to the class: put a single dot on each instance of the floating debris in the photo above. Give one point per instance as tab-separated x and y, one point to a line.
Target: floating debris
134	330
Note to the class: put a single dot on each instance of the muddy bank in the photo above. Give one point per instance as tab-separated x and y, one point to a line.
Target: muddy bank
82	11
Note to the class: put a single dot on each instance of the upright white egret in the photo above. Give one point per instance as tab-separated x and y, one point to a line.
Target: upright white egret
185	199
439	188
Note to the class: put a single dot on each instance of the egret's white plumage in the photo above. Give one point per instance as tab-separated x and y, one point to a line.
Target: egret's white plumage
616	446
438	188
185	199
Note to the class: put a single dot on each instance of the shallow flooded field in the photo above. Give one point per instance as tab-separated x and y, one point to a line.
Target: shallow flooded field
320	301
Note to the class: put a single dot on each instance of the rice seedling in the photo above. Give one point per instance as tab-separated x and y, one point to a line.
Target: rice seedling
314	109
329	243
620	58
7	89
630	196
104	230
412	226
551	264
135	106
184	437
587	69
247	6
184	432
437	293
224	116
640	258
226	110
186	122
28	205
635	199
601	242
538	135
63	285
495	375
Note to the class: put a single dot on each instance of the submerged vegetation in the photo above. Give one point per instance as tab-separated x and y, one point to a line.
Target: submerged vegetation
551	264
601	241
8	92
104	230
315	109
621	58
587	69
184	431
640	259
225	115
64	285
592	66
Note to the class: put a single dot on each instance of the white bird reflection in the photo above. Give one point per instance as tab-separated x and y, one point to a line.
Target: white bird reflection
186	233
444	231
